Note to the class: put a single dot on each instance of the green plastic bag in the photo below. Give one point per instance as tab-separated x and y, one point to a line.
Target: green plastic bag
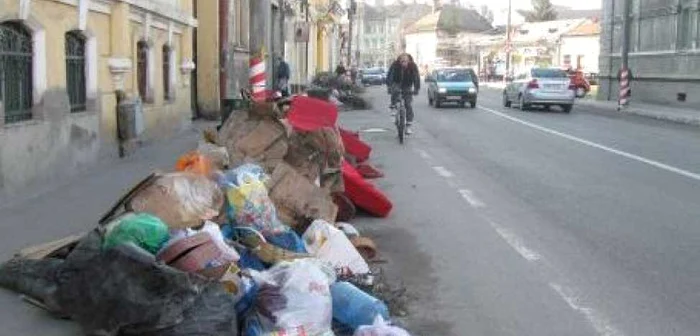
142	229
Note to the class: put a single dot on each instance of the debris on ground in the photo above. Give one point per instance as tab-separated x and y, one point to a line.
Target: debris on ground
248	235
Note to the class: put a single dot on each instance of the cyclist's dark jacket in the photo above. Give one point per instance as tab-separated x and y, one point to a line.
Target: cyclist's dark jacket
408	76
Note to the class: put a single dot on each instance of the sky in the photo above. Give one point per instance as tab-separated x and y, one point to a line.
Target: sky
521	4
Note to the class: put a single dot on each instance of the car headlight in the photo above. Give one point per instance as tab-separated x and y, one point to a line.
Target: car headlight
471	90
442	90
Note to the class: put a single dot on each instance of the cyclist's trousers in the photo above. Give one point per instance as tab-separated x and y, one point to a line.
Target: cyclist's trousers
408	100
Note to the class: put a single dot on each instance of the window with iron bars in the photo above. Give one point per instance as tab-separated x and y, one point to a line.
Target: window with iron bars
75	71
142	68
16	71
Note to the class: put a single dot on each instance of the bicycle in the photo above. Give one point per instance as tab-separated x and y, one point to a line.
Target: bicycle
400	117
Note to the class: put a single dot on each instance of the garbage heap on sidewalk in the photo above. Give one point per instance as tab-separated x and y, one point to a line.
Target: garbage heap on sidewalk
247	236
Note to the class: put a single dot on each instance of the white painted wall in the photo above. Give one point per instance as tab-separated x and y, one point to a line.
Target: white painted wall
587	46
422	46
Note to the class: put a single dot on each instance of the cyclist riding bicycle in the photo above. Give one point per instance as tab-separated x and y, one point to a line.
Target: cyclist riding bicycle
404	79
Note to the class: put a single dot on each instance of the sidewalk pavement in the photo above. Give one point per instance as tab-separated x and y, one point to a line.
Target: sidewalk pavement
674	114
74	205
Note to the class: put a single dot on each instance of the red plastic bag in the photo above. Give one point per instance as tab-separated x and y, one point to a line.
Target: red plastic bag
368	171
310	114
365	195
355	147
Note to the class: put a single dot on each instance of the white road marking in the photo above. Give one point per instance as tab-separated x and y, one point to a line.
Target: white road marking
373	130
631	156
468	196
600	323
424	154
442	171
515	242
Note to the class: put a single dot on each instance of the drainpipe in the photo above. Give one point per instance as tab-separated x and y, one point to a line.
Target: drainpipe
611	36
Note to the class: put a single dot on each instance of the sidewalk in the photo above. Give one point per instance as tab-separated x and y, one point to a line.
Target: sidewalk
678	115
74	205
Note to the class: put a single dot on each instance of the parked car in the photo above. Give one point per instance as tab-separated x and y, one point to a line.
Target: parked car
540	86
452	85
373	76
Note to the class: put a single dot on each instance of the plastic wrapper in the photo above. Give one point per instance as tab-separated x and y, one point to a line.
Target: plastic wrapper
380	328
144	230
305	286
124	291
194	162
332	245
249	204
181	200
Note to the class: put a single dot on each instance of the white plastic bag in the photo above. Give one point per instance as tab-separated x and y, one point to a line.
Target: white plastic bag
305	283
380	328
330	244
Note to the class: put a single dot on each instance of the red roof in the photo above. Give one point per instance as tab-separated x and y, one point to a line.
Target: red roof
591	27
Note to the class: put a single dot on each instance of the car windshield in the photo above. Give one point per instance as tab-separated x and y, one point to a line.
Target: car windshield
549	73
454	76
373	71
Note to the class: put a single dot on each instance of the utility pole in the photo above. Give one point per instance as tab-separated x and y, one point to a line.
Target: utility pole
508	43
625	33
351	14
305	4
260	36
624	77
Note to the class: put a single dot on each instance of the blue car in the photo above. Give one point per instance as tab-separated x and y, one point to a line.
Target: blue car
452	85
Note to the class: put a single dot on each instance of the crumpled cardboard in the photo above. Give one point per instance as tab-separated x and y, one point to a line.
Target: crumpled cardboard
297	199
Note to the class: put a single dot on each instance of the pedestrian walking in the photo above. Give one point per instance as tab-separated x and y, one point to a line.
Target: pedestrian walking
283	74
340	69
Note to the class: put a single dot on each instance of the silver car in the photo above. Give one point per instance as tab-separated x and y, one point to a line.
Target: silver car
540	86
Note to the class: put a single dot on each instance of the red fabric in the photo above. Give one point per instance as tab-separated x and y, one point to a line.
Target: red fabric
365	195
355	147
368	171
310	114
349	132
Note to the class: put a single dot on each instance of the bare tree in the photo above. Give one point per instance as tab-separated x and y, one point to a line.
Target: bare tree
487	13
543	10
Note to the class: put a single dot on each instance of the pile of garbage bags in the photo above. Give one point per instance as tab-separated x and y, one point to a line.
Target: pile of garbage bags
242	238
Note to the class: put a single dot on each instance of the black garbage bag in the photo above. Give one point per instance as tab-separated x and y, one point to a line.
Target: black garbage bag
124	291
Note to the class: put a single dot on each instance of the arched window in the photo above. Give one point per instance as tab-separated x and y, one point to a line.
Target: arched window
142	68
16	71
75	71
166	72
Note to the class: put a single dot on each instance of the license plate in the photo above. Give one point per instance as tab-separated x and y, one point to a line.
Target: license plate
454	97
553	87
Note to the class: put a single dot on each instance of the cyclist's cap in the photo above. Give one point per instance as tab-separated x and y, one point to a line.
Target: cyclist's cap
310	114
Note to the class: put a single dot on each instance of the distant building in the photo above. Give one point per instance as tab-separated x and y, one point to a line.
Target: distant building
380	31
541	44
436	39
580	47
663	59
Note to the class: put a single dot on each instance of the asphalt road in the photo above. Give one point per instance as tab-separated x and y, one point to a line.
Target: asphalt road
540	223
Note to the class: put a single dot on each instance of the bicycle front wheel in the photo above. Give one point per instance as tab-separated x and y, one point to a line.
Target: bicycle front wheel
401	123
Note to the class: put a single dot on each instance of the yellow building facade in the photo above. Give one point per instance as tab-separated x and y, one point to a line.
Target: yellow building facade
62	69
